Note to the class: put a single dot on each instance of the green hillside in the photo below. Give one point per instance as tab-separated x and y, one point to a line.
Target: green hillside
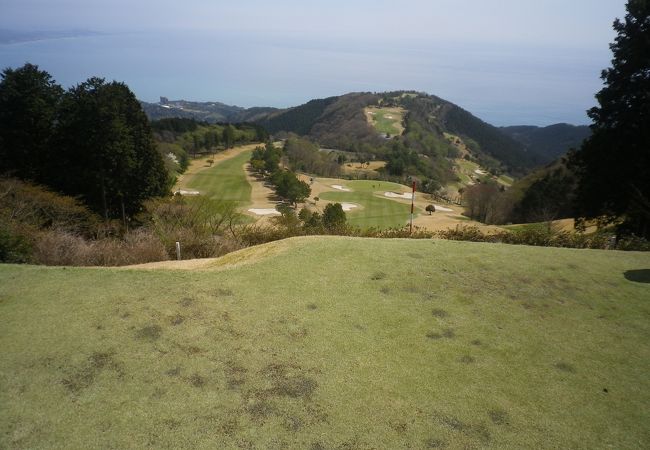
324	343
550	142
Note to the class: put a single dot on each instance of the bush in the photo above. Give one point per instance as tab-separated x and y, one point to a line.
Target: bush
61	248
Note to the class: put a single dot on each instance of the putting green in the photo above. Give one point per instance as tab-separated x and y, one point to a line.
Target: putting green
376	210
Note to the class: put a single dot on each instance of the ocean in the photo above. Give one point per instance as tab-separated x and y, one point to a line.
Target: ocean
501	84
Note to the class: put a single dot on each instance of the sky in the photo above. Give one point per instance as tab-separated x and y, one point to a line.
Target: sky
572	28
581	22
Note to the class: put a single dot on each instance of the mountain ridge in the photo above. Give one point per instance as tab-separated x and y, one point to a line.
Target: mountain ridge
340	122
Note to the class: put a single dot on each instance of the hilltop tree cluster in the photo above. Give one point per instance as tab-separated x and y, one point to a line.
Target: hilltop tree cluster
92	141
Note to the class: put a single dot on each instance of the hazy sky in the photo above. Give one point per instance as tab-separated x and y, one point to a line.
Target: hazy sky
508	61
548	22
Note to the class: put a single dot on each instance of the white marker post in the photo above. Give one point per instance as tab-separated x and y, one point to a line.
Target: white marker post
412	201
178	250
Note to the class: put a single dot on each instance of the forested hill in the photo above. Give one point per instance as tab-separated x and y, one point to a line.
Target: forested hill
211	112
341	122
550	142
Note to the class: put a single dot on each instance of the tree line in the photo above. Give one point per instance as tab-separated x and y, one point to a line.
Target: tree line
92	141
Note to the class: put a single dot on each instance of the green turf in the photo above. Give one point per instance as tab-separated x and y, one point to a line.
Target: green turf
225	181
385	125
333	343
378	211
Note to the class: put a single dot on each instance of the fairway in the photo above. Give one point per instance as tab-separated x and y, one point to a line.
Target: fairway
331	343
376	210
386	120
225	180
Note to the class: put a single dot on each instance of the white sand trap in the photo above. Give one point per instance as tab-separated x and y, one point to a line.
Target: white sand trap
406	195
389	117
443	209
265	211
348	206
341	188
187	192
480	172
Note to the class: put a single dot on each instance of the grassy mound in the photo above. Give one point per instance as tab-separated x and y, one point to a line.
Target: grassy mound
332	343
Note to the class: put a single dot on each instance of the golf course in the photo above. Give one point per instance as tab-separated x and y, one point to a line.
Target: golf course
370	203
331	343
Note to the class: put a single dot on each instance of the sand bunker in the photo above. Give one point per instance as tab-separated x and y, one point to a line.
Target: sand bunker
341	188
443	209
480	172
348	206
265	211
406	195
187	192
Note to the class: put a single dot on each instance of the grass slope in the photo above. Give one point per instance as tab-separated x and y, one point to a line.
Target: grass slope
376	210
332	343
224	181
386	120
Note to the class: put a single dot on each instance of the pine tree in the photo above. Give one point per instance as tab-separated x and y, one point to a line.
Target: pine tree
29	99
107	154
614	163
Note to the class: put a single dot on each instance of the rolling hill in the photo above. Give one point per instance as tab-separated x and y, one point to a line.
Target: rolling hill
550	142
331	343
340	122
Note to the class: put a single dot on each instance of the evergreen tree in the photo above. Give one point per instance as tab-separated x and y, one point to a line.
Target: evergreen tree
334	216
614	163
29	99
107	154
228	137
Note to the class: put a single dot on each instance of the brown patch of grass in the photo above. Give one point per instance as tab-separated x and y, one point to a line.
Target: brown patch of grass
293	424
149	333
384	290
294	387
259	410
235	375
312	306
289	385
186	302
196	380
433	335
434	443
565	367
477	342
449	333
229	426
439	313
378	276
298	334
477	431
499	416
84	376
399	427
223	293
176	371
176	320
466	359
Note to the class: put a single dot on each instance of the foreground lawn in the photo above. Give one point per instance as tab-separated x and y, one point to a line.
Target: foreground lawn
376	210
224	181
323	343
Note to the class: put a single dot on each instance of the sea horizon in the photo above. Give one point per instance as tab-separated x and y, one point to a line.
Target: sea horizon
501	84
